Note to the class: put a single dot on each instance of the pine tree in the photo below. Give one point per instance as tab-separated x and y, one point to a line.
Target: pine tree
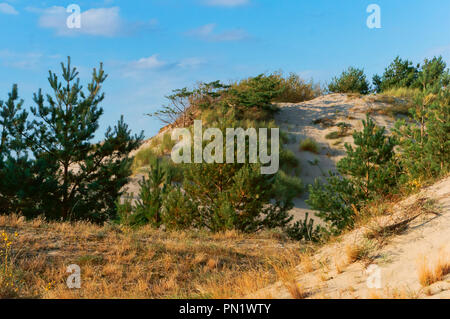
89	175
368	170
371	164
236	196
425	144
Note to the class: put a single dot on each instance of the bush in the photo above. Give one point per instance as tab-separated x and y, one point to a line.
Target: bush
350	81
342	132
287	185
236	196
425	144
295	89
368	170
433	75
179	212
371	165
148	206
304	230
255	92
288	162
336	202
400	73
309	145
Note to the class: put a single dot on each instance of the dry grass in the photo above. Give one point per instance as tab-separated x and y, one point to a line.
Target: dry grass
360	252
431	271
120	262
309	145
296	291
307	264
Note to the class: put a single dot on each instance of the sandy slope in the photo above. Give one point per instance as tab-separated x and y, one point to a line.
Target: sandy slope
297	120
397	256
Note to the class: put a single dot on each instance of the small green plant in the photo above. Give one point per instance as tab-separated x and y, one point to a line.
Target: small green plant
148	207
335	200
309	145
304	230
342	132
332	135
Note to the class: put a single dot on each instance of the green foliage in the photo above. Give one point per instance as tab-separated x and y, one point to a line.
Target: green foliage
23	182
368	170
400	73
295	89
153	189
352	80
179	212
255	92
309	145
67	176
286	185
236	196
288	162
425	144
208	95
335	200
159	202
304	230
371	165
146	158
432	75
148	206
342	132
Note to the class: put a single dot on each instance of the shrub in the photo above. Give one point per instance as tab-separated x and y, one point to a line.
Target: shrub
425	144
333	135
285	184
342	132
335	201
368	170
304	230
179	212
400	73
255	92
148	206
146	158
371	164
236	196
309	145
288	161
433	74
295	89
351	80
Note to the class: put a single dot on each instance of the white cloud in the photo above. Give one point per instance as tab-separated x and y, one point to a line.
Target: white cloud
105	22
226	3
203	31
207	33
7	9
142	66
191	63
152	62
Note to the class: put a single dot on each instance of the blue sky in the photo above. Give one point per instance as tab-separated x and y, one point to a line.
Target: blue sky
150	47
